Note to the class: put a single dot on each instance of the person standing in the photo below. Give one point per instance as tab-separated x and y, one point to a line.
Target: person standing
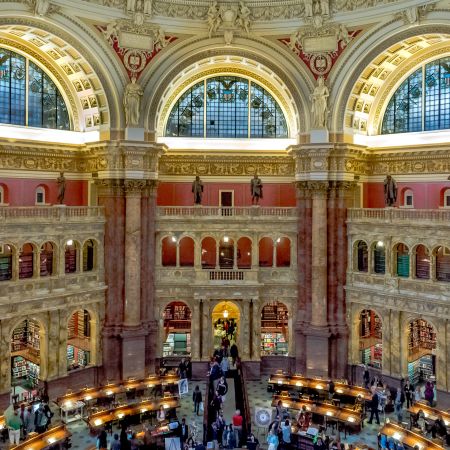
222	388
115	443
429	392
374	407
14	423
398	404
102	441
286	434
225	366
237	425
184	432
408	390
197	399
272	440
28	422
366	377
40	419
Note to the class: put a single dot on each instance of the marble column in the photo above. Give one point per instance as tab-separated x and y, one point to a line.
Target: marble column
399	346
5	357
304	275
256	330
386	339
441	354
207	345
195	332
317	355
245	330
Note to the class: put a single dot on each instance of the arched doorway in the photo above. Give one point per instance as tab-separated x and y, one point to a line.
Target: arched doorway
421	351
370	338
274	329
225	322
79	340
177	330
25	356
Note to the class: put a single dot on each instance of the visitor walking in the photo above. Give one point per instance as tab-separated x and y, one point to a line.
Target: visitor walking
229	438
374	403
197	399
429	392
115	443
14	423
272	440
237	424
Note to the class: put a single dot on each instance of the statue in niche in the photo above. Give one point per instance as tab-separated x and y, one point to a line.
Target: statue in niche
390	191
319	100
197	190
256	189
61	181
325	7
132	102
131	6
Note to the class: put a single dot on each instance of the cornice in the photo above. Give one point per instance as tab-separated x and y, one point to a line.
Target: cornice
155	158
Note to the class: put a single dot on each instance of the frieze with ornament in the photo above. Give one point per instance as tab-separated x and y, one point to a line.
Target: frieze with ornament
135	60
261	10
320	63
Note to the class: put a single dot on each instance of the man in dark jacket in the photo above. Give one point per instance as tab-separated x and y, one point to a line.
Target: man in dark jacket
183	432
374	407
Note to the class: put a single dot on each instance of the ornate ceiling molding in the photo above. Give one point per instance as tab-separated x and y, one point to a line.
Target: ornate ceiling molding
261	10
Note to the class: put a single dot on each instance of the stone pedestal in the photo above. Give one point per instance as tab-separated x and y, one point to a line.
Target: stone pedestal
134	134
317	355
133	353
319	136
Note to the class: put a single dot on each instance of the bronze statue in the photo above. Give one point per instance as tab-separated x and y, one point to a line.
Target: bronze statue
61	187
256	189
390	191
197	190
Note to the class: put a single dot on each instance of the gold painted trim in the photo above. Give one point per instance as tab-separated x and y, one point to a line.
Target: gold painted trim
231	70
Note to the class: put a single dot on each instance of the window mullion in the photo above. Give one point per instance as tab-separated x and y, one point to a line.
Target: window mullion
423	97
249	134
27	77
204	108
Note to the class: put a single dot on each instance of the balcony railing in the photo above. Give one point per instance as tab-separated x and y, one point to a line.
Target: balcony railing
223	212
390	215
45	214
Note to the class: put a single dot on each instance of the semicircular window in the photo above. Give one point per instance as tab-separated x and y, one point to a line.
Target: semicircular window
28	96
227	107
422	101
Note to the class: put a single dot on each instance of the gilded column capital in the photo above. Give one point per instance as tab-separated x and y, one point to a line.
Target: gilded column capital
110	186
134	188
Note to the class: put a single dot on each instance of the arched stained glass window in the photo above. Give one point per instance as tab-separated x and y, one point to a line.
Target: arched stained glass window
422	101
227	107
28	96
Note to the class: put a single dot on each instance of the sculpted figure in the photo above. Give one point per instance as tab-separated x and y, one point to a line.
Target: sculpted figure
132	102
390	191
319	100
256	189
197	190
41	7
160	39
325	7
213	18
61	187
308	8
244	17
148	7
131	5
342	35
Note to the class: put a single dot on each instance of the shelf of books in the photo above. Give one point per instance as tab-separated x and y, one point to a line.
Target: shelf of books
77	358
25	355
177	344
5	267
273	344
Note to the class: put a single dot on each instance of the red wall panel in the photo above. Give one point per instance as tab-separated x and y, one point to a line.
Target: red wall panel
427	195
21	192
179	194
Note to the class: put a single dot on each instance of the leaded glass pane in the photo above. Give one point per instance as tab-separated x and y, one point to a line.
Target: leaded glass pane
227	107
17	89
422	102
46	106
227	111
34	96
5	84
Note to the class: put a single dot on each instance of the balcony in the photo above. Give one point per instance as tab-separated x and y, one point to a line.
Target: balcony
398	215
225	213
50	214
